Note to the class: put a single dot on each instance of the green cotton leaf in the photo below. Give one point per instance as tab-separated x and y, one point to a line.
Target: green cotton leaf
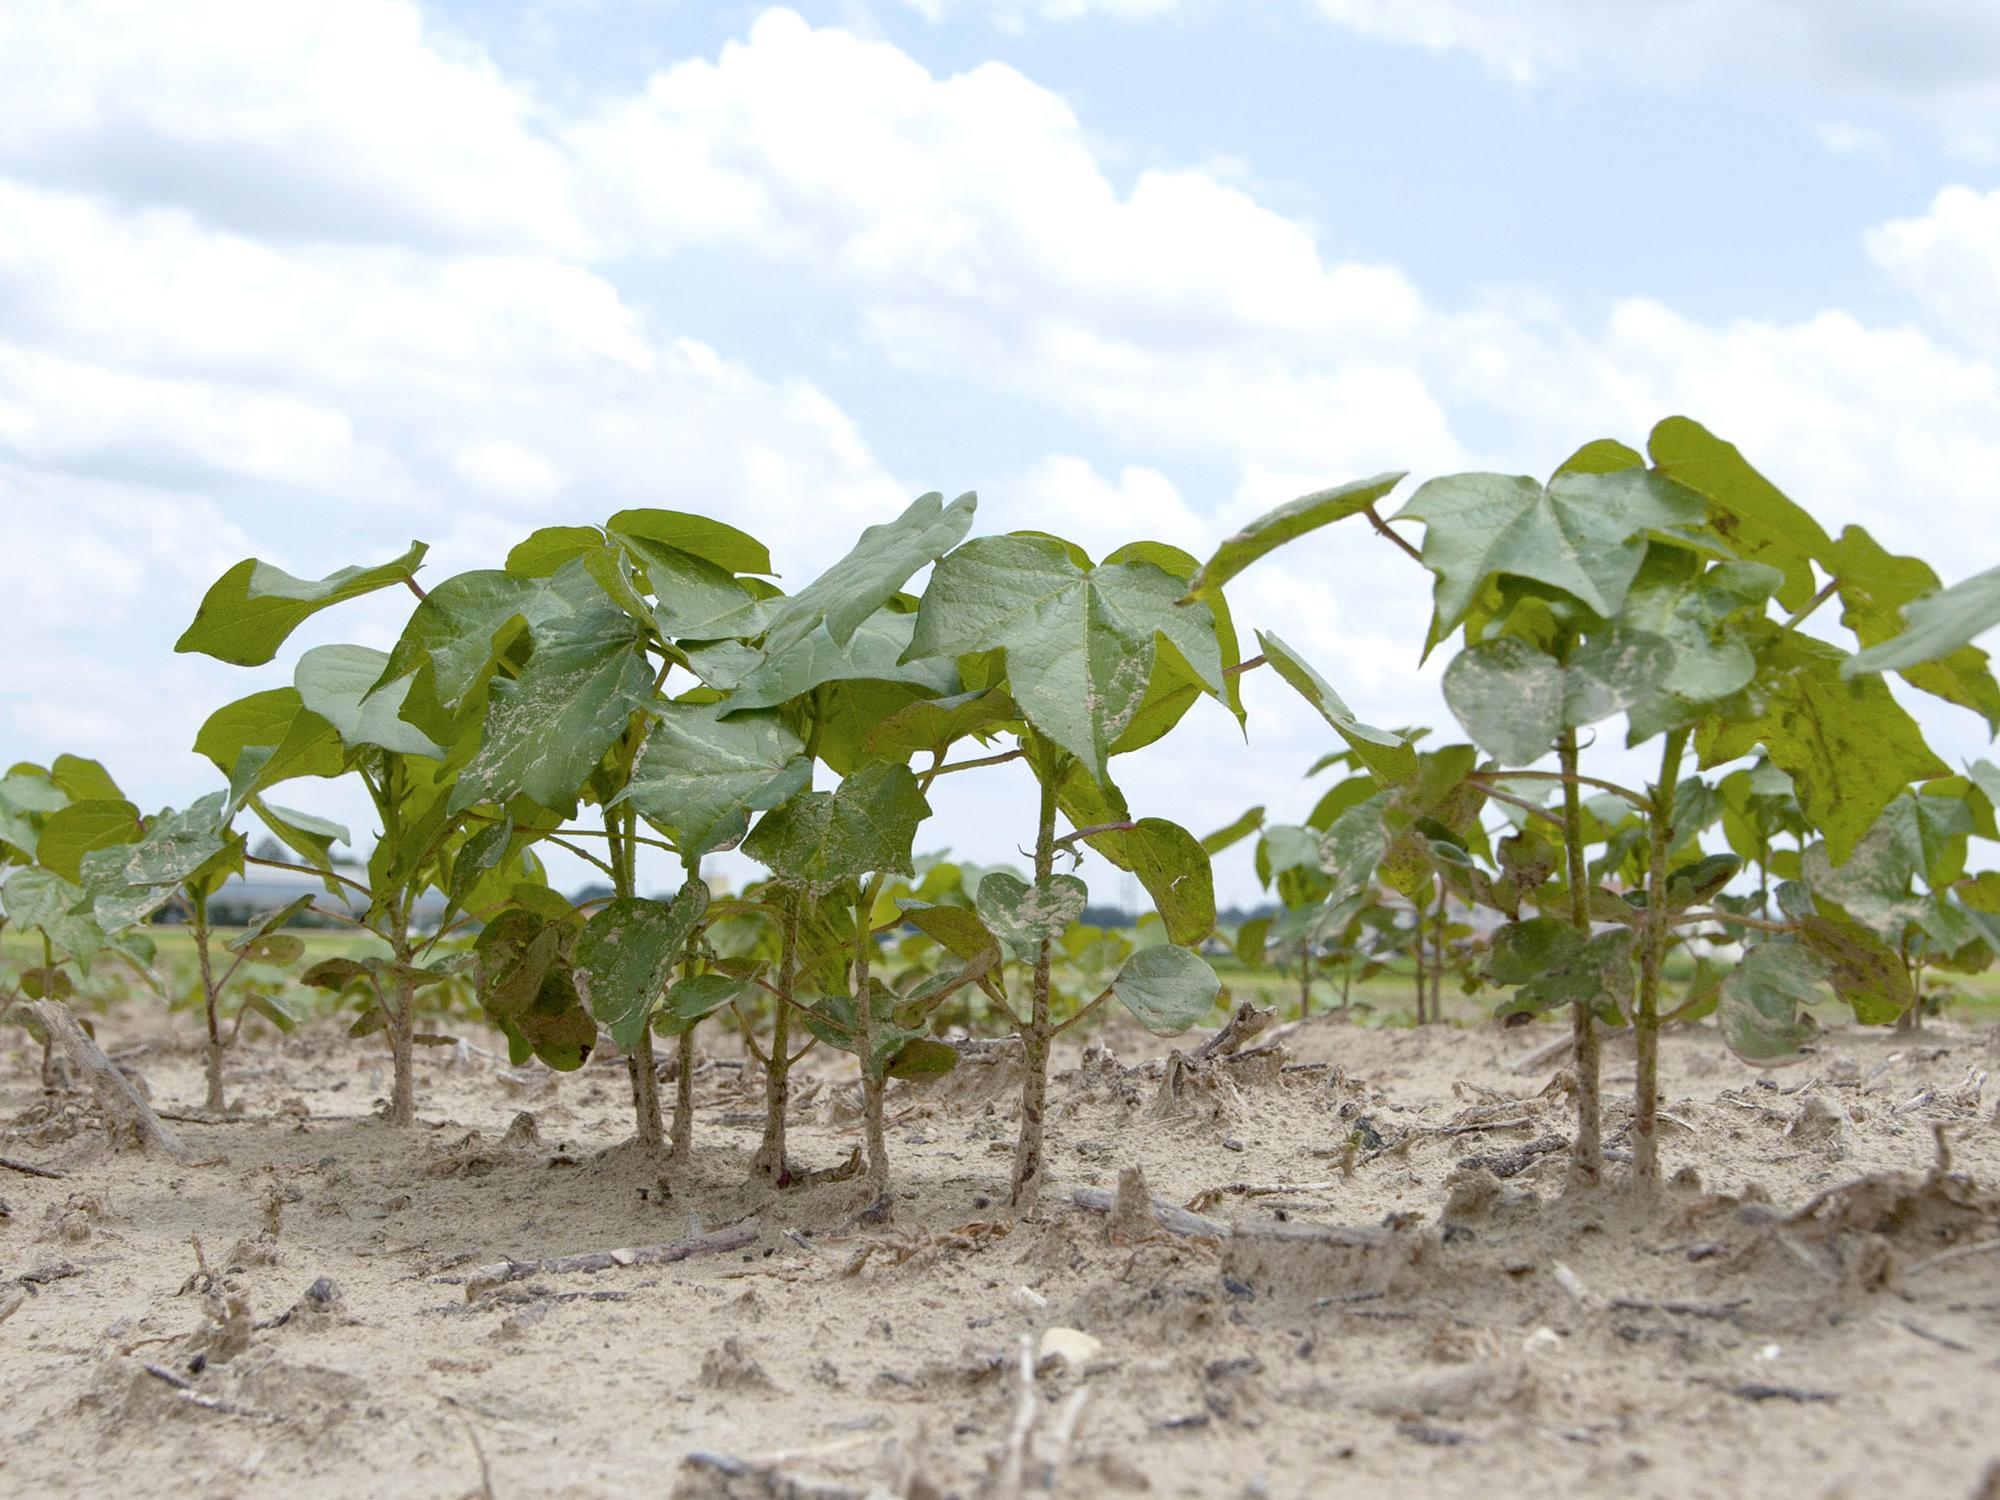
266	721
1339	798
1388	757
1514	700
1700	880
554	1025
69	833
1933	832
847	711
129	882
1981	892
722	664
835	1020
274	1010
1957	936
308	747
873	653
512	957
463	624
1080	643
1167	988
1601	456
696	599
1024	916
1174	869
84	780
1873	885
1597	975
1939	625
1287	523
1168	699
338	684
1354	846
249	611
551	549
1251	940
1849	747
610	567
958	930
335	974
1285	847
934	724
268	923
310	837
922	1057
1509	697
1233	833
477	856
713	542
1582	533
626	956
547	729
688	1002
1749	513
1173	688
866	824
1876	587
702	774
1694	610
1758	1009
29	789
870	574
272	948
1611	673
42	901
1520	951
1864	971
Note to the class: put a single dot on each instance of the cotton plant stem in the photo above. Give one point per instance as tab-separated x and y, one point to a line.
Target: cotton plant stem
621	824
401	1013
682	1145
198	919
1653	938
770	1159
872	1081
1587	1150
1437	953
1028	1162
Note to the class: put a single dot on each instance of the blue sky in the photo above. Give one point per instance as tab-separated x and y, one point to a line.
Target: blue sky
303	282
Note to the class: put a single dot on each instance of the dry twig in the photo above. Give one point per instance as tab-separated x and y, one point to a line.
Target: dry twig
715	1242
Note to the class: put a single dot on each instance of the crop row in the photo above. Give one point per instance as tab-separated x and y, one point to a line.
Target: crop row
642	684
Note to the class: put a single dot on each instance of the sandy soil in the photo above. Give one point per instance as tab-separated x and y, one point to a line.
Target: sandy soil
1777	1321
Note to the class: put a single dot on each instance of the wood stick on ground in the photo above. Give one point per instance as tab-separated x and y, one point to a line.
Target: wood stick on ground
715	1242
1171	1216
1247	1021
1062	1439
716	1476
1209	1197
485	1490
184	1390
114	1089
29	1169
1560	1048
1516	1161
1945	1257
1720	1311
1012	1466
1542	1056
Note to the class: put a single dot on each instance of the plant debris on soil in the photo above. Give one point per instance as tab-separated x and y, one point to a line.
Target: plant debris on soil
1350	1266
